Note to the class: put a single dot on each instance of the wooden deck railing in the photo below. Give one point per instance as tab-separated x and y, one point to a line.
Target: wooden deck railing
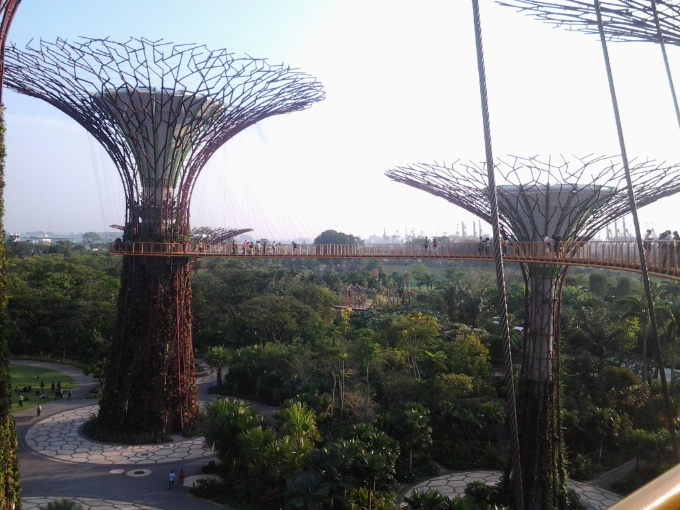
662	258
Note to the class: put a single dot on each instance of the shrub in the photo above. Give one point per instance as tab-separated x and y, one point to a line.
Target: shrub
482	494
426	500
208	488
209	468
581	467
61	504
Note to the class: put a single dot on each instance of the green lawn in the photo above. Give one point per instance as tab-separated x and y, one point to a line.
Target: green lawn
26	376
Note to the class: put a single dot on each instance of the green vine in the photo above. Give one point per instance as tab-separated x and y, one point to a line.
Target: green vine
9	462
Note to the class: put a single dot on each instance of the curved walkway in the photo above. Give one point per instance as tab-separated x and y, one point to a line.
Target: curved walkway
453	485
96	475
58	438
33	503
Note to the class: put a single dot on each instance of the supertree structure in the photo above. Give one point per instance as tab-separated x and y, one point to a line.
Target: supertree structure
212	236
537	198
161	111
625	20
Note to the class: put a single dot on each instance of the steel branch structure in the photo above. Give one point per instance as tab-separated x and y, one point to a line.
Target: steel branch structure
465	185
7	10
626	20
564	204
160	111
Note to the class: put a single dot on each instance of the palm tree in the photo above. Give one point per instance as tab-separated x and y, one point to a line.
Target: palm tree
636	306
254	445
640	440
415	428
217	358
286	457
426	500
492	414
672	326
298	422
605	420
221	422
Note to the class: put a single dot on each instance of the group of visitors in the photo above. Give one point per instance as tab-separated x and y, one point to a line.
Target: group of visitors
257	248
484	246
553	245
172	476
664	251
426	247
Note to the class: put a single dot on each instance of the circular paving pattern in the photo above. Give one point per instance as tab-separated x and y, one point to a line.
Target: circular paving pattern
453	485
136	473
32	503
58	438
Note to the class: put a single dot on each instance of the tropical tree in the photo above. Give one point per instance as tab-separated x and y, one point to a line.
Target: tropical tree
221	422
425	500
254	446
416	432
91	238
375	461
334	237
217	358
606	421
366	350
491	415
640	441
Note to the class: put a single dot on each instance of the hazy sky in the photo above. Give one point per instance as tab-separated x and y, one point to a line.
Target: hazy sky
401	87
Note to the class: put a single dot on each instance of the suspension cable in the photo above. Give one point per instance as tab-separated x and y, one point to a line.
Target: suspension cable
638	232
500	271
665	59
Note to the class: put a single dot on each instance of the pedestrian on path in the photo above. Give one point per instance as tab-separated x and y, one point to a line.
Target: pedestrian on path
68	397
171	479
21	401
39	409
181	477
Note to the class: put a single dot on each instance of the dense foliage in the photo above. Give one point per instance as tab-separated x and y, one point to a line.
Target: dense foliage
62	307
9	461
397	388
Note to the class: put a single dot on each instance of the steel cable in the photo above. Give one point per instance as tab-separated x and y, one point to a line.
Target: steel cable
500	271
638	232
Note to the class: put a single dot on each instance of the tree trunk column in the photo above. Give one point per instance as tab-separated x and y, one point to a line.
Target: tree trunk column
540	445
541	327
150	386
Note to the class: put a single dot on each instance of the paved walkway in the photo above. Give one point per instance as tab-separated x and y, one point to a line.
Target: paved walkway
58	437
84	470
96	475
453	485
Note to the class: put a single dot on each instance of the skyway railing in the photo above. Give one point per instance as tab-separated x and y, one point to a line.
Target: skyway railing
662	257
662	493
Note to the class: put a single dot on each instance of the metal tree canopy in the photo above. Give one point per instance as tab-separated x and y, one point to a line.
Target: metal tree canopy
626	20
160	110
571	199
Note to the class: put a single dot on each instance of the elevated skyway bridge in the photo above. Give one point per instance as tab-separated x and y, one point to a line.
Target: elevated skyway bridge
662	257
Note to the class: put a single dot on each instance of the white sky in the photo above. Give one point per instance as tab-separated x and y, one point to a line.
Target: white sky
402	87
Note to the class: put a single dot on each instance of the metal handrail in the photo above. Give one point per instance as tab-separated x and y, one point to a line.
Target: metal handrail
662	493
662	257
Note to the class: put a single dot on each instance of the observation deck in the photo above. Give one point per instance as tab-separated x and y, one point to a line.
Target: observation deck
662	257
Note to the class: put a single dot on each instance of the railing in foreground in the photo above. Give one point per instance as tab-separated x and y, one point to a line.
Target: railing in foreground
662	493
662	258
